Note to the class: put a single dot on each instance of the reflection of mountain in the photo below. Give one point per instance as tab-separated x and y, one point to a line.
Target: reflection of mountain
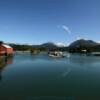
4	61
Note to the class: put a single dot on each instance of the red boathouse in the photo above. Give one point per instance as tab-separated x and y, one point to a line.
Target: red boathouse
6	49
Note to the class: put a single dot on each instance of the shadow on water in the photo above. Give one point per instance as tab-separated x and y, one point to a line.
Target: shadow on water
4	61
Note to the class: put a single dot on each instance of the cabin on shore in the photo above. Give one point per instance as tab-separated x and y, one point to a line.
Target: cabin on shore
6	50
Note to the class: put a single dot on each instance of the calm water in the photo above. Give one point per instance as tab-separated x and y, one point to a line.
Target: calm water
40	77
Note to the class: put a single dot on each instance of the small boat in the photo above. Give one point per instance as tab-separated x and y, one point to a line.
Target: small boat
56	54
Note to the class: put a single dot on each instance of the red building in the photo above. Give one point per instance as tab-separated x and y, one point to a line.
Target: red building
5	49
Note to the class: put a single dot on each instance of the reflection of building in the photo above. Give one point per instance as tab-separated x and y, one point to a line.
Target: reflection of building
4	61
5	49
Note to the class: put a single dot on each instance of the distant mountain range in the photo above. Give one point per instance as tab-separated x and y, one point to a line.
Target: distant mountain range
49	45
44	46
75	46
83	44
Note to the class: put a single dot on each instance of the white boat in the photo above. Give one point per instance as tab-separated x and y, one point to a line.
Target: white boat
56	54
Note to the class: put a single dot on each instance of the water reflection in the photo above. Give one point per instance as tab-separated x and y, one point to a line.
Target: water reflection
40	77
3	63
51	98
83	60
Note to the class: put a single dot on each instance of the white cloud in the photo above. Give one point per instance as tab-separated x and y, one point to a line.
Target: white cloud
98	41
61	44
66	28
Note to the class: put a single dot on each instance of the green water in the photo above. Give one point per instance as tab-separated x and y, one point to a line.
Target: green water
40	77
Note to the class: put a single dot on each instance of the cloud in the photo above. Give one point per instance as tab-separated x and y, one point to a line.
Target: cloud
66	28
61	44
98	41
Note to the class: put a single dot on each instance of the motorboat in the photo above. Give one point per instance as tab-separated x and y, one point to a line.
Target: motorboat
56	54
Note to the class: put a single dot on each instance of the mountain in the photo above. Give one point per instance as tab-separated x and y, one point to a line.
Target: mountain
48	45
82	44
42	47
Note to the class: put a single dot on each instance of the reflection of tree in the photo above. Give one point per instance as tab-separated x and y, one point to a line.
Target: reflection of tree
4	61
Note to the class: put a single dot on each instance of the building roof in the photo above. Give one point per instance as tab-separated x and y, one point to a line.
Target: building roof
6	46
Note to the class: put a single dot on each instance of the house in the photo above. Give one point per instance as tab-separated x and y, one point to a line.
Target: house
5	49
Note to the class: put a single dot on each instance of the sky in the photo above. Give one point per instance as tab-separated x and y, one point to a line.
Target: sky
39	21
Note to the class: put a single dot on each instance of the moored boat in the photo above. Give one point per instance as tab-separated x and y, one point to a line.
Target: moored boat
56	54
